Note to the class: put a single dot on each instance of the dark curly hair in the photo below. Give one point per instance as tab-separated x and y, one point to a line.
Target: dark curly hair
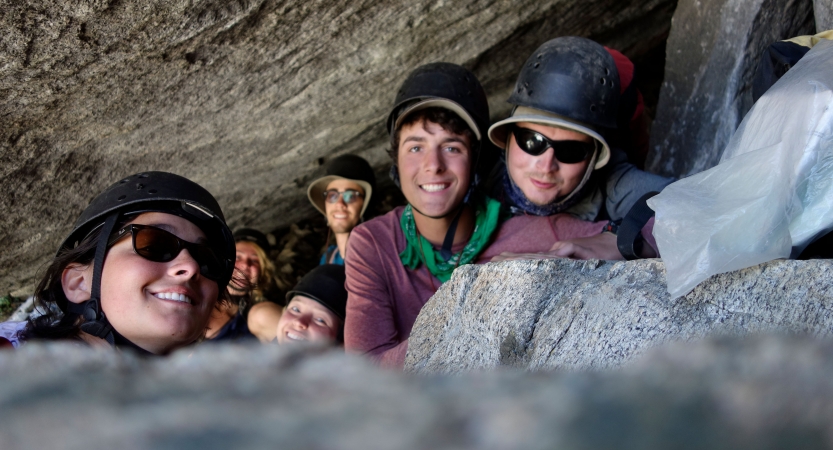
448	120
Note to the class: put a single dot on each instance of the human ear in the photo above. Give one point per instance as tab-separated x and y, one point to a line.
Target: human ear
76	280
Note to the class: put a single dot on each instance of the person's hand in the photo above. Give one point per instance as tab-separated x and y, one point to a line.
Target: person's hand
601	246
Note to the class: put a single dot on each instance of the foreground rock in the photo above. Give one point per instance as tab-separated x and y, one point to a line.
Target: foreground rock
721	394
247	97
712	55
563	314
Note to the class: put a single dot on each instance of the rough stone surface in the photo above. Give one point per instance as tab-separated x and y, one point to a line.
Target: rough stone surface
575	315
766	392
823	9
247	97
711	57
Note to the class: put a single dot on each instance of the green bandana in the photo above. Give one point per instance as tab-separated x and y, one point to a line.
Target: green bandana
486	219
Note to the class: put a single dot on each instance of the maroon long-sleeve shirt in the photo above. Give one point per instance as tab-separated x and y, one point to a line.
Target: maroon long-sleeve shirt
384	297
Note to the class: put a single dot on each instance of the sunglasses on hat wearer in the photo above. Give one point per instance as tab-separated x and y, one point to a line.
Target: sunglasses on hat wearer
349	196
567	152
158	245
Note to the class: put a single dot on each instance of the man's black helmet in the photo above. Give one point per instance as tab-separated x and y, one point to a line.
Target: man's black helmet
573	77
445	85
141	193
568	82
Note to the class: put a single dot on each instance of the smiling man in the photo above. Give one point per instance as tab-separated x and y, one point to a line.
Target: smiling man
397	261
557	157
343	196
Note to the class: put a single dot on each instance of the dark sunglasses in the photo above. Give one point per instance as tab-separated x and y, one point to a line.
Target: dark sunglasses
349	196
567	152
158	245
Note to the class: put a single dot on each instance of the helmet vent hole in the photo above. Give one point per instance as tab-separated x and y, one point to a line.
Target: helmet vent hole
593	108
122	197
530	92
124	181
143	175
607	71
520	89
152	191
140	186
540	55
537	65
602	80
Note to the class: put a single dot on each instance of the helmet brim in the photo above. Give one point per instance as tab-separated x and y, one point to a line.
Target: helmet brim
439	103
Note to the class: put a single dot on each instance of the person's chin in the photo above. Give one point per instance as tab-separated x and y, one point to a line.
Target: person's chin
434	211
541	197
342	227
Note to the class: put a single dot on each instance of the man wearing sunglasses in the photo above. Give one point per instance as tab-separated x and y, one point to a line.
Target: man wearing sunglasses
557	158
397	261
343	196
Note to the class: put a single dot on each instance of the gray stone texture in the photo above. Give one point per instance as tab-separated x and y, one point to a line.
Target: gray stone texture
765	393
823	10
577	315
712	54
247	97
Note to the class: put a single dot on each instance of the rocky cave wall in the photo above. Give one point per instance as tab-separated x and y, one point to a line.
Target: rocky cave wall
247	97
251	97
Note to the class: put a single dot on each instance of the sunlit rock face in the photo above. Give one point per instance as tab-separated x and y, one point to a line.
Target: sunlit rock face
578	315
247	97
712	55
762	392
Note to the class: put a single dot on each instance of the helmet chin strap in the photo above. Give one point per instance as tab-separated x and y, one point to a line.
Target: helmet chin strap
95	323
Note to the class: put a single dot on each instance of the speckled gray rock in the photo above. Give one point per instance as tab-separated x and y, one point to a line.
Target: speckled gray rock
823	10
247	97
767	392
711	57
563	314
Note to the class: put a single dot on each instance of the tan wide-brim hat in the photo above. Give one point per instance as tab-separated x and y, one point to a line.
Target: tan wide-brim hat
315	192
499	131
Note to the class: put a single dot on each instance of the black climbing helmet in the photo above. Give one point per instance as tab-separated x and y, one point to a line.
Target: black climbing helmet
254	236
570	82
141	193
443	85
349	167
324	284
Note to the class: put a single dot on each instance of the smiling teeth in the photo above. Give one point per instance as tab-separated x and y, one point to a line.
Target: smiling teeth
433	187
294	336
174	296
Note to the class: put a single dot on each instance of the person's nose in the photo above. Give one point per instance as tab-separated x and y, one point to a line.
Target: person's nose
433	161
242	265
302	321
184	265
546	161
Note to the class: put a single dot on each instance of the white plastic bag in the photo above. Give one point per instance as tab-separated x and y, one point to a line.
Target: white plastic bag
772	192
